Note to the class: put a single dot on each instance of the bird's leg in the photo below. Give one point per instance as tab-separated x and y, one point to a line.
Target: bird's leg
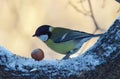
67	56
69	53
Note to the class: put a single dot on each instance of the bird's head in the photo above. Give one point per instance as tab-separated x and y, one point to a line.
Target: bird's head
43	32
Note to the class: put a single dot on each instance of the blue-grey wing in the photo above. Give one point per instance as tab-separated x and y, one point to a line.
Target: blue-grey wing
72	36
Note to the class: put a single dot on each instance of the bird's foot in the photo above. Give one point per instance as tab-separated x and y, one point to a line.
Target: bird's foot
65	57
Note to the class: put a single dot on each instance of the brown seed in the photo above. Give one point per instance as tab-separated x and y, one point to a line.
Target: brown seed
37	54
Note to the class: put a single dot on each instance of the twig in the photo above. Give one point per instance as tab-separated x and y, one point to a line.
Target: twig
77	9
92	14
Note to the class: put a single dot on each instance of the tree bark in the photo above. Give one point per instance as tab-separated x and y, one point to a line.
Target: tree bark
101	61
118	1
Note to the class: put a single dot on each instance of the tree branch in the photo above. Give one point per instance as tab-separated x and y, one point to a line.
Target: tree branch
101	60
118	1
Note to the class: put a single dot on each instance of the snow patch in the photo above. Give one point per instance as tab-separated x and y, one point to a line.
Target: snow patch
109	50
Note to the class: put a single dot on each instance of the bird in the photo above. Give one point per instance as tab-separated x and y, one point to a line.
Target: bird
63	40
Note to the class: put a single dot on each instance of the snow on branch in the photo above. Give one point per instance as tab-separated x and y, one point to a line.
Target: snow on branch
84	66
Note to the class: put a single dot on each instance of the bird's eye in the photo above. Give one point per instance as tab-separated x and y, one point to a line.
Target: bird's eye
43	37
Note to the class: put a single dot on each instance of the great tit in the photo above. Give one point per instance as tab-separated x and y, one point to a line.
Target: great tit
63	40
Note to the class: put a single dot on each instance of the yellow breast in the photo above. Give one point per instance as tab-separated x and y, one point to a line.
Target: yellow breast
62	48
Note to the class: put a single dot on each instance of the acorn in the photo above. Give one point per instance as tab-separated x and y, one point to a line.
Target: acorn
37	54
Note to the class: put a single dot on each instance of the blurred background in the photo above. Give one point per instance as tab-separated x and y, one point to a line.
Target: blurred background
20	18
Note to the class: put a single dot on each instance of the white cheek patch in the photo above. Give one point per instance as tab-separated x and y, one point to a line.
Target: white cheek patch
43	37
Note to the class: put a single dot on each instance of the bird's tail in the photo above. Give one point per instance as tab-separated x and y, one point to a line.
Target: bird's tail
95	35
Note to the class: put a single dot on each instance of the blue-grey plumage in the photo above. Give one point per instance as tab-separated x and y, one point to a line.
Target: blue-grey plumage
63	40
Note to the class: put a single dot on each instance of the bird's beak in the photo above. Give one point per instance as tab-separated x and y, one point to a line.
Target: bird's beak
34	35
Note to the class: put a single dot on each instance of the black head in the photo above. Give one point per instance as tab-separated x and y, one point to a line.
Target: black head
43	30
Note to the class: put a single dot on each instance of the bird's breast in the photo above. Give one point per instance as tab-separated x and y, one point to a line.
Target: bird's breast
62	47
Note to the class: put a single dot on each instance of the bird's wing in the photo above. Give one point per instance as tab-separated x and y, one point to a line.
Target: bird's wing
72	36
